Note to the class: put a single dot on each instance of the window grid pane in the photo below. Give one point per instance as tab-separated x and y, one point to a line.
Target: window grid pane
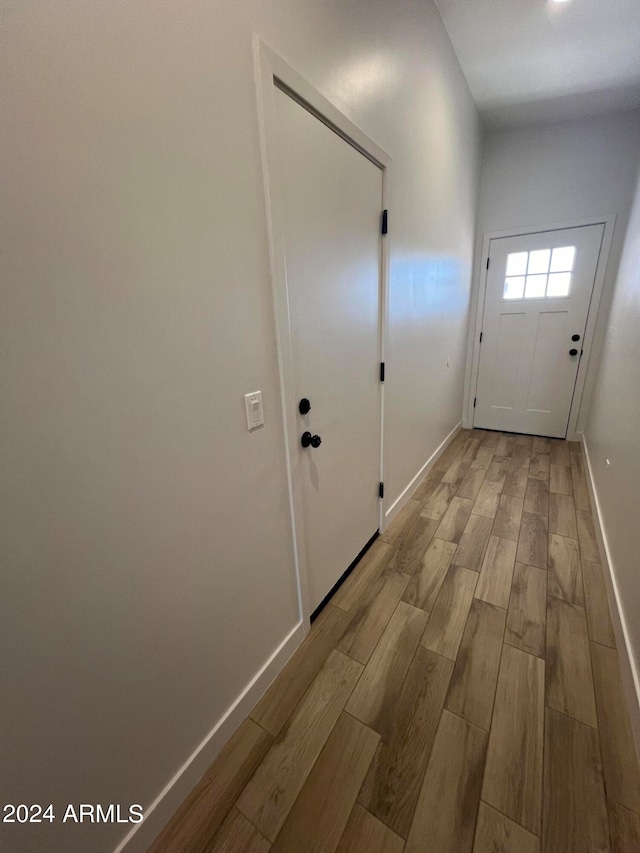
559	284
562	259
536	286
514	287
526	273
539	261
517	263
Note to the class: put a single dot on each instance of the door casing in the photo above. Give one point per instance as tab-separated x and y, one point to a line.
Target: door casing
585	369
269	68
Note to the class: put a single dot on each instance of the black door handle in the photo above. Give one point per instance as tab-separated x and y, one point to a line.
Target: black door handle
308	439
573	352
575	337
304	406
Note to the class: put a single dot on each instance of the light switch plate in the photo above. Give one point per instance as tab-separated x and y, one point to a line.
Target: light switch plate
253	406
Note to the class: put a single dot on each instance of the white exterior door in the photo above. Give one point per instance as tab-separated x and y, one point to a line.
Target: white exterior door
331	204
536	304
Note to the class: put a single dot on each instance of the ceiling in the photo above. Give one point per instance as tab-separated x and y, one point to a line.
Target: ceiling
529	61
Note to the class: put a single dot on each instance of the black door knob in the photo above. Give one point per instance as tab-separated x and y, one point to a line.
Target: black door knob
308	439
575	337
304	406
573	352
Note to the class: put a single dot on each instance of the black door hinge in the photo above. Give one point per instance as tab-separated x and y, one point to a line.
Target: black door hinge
475	400
487	263
381	490
385	222
382	371
480	337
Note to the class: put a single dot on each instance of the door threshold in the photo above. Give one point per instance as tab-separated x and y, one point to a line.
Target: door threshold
515	432
343	577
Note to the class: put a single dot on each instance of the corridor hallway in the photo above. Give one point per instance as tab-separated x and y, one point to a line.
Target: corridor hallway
460	692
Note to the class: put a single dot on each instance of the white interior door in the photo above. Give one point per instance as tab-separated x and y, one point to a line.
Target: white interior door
537	299
331	204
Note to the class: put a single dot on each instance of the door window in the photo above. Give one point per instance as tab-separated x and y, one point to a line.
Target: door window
539	273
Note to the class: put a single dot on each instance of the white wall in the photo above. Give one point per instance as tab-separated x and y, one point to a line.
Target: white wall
147	560
613	432
557	173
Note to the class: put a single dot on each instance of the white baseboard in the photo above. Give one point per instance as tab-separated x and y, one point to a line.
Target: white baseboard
405	495
157	815
628	664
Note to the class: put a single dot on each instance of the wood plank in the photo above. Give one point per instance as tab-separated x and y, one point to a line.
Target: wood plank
479	433
515	483
559	453
527	616
498	470
496	575
495	833
513	776
483	457
454	520
473	683
371	618
579	480
319	816
438	501
364	833
575	815
625	828
474	443
425	584
560	479
521	456
401	522
488	498
562	516
411	547
541	444
569	679
532	544
392	785
202	813
527	440
491	439
450	796
237	835
445	459
540	466
446	623
364	575
508	517
621	771
470	486
427	487
565	570
277	704
597	601
536	497
473	543
587	538
460	465
272	791
506	446
374	698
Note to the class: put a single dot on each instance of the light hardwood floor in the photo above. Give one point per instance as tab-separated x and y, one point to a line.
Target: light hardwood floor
459	694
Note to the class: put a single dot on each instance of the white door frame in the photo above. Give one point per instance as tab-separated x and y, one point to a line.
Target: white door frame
269	68
475	324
